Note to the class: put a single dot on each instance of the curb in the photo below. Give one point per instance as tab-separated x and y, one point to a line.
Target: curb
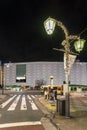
49	117
48	105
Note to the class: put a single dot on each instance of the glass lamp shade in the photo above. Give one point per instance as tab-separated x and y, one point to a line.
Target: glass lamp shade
49	25
79	45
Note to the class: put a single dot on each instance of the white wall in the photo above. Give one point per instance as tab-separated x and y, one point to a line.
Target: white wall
43	70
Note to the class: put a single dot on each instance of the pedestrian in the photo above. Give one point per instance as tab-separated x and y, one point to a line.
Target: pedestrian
46	94
55	94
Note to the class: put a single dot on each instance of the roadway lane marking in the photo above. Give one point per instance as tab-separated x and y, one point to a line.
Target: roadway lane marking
23	103
29	97
20	124
14	104
34	107
32	96
6	102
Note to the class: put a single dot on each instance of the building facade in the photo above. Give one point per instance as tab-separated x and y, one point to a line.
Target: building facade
27	73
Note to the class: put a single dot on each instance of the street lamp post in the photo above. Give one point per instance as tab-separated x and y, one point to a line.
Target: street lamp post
49	25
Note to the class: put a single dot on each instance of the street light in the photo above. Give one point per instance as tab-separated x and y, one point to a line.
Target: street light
49	25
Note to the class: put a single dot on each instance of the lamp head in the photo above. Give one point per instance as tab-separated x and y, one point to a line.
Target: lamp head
79	45
49	25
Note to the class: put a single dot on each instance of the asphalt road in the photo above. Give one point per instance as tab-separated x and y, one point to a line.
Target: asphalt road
19	111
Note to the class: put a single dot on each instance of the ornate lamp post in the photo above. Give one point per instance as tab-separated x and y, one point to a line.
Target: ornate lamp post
49	25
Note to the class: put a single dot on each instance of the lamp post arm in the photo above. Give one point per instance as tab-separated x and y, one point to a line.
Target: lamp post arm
67	36
72	37
66	42
61	25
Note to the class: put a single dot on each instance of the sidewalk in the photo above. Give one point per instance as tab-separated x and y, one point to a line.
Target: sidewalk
2	96
78	120
5	93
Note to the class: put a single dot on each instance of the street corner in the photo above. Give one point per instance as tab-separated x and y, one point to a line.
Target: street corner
47	104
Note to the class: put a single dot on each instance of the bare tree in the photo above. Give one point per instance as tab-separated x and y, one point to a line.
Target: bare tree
39	83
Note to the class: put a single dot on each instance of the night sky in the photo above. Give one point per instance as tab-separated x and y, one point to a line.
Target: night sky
22	34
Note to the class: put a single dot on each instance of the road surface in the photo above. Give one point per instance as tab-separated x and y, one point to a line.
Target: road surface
19	111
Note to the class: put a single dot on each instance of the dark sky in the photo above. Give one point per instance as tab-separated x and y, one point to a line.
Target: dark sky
22	34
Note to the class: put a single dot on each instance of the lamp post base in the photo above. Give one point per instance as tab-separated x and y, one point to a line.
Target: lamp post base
67	105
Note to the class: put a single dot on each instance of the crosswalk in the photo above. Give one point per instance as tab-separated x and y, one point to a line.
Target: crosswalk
23	100
14	104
